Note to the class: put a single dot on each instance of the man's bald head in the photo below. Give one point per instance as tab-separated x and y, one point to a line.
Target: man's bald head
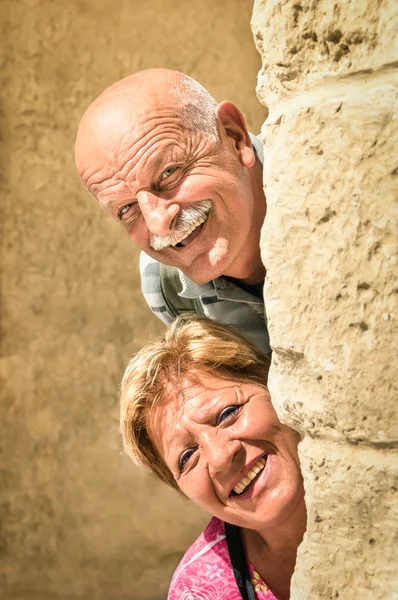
122	106
177	171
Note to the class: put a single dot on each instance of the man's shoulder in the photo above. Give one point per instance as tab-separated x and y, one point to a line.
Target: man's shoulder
152	288
152	269
163	287
150	275
148	265
154	275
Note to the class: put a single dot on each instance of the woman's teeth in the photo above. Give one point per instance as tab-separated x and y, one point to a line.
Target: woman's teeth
248	478
191	229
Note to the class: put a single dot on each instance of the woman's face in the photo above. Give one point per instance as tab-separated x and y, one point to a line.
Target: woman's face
228	451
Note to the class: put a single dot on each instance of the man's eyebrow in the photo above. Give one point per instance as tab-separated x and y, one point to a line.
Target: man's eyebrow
93	189
159	161
116	203
162	161
170	154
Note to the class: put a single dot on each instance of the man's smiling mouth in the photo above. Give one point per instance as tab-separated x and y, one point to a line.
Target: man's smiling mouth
191	234
250	478
190	222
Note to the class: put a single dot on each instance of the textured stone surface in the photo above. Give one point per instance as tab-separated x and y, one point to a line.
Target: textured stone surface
329	243
308	42
78	521
352	517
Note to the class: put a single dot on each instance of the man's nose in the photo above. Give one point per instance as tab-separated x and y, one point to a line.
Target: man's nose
159	213
221	450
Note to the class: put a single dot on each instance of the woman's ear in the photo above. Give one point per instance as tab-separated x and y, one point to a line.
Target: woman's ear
233	125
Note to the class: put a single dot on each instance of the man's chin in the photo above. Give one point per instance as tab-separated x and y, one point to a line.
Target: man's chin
202	277
211	264
203	269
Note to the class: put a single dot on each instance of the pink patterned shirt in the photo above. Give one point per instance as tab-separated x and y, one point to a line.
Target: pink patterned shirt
205	572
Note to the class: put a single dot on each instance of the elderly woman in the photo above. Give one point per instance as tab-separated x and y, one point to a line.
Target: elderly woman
195	410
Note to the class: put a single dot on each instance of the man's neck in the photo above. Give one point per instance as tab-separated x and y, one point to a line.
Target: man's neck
252	278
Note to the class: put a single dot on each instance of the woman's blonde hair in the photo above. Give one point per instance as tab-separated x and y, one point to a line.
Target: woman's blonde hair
192	344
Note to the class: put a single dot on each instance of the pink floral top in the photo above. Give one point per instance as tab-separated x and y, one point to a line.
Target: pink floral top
205	572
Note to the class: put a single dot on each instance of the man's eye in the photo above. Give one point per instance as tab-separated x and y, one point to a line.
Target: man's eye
124	210
227	413
167	172
184	458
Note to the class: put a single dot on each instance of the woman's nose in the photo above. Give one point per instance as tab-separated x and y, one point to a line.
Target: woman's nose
159	213
221	451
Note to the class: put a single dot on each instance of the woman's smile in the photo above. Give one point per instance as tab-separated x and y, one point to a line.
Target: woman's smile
253	473
227	449
199	414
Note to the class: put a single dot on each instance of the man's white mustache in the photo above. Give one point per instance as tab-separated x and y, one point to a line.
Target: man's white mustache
185	220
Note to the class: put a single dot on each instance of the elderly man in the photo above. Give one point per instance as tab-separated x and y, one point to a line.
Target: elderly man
183	176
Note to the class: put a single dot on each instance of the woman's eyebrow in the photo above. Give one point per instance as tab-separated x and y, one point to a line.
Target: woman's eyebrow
174	454
209	409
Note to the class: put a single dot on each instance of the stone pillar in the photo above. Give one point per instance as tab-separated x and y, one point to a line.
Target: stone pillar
330	248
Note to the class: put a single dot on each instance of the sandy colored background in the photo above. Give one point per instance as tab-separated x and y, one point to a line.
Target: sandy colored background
77	520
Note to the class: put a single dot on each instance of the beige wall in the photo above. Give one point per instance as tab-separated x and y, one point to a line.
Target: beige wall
330	248
78	521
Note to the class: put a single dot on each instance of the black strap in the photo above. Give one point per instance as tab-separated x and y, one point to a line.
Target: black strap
239	562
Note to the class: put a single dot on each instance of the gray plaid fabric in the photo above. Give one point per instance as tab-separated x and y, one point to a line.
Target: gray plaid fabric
221	300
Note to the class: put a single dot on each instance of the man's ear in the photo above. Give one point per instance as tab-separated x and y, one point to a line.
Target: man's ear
233	124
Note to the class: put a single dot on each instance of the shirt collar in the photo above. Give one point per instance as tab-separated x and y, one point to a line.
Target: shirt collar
222	287
258	147
190	289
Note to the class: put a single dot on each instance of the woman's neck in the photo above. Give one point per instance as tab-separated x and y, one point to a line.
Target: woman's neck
273	552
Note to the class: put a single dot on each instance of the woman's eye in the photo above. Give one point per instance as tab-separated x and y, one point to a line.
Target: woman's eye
167	172
227	413
184	458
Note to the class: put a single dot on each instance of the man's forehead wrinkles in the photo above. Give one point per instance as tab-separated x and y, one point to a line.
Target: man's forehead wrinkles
90	177
104	187
95	188
143	144
131	148
147	124
115	188
135	145
99	173
148	155
161	116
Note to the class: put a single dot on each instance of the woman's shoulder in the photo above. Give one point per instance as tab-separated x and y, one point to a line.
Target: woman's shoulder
205	571
210	541
210	545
